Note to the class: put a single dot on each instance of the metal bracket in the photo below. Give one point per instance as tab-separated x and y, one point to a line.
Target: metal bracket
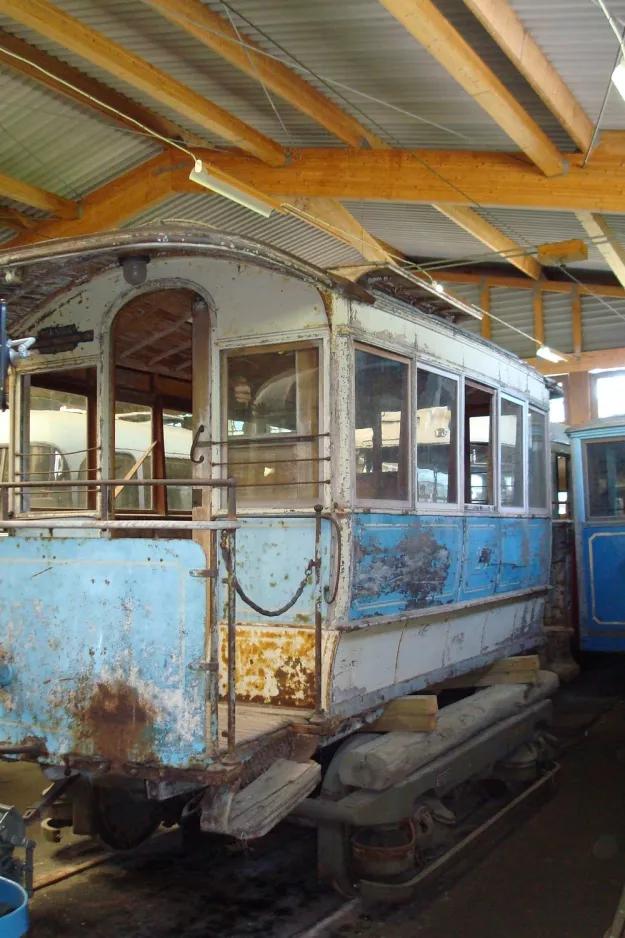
206	574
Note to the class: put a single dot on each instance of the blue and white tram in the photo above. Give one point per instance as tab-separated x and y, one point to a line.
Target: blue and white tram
392	526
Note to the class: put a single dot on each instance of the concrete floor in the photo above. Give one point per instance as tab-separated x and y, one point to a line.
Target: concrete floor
558	875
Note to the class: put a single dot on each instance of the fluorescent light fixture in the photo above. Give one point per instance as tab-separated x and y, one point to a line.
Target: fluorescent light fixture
618	78
549	355
203	178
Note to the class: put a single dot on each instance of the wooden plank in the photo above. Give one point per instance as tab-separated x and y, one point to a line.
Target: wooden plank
219	35
429	176
506	28
426	23
521	670
72	34
606	242
331	216
492	237
68	81
487	323
23	192
414	714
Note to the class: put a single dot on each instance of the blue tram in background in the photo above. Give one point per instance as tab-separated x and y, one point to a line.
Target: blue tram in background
598	454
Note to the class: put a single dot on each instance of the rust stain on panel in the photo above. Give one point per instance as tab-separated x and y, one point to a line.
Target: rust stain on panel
274	665
113	722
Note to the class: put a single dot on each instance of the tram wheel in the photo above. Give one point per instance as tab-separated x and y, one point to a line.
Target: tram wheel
123	819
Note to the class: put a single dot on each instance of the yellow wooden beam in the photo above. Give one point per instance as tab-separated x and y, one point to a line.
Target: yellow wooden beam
606	242
23	192
426	23
330	216
502	23
427	176
68	81
221	37
556	253
113	204
492	237
519	283
72	34
487	323
16	221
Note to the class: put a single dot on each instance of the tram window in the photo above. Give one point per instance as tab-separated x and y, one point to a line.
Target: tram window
478	444
511	458
178	435
55	439
272	419
382	427
606	478
133	454
537	459
437	436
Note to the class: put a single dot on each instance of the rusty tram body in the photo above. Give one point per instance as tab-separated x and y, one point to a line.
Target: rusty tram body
246	505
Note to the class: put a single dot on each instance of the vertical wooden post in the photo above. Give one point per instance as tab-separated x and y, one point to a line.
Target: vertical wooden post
92	438
485	305
158	457
576	304
539	316
579	409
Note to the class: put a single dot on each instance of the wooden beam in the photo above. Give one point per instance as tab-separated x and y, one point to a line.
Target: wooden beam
427	24
26	194
414	714
539	317
502	23
492	237
16	221
487	323
428	176
518	670
330	216
586	361
71	83
579	399
113	204
557	253
221	37
518	283
72	34
576	305
606	242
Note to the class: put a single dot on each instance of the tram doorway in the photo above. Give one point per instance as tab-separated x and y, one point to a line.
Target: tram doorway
159	398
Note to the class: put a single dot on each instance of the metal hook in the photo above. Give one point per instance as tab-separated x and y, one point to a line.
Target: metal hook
194	445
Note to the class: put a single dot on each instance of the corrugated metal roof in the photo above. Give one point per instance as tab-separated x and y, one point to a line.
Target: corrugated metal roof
470	293
282	231
558	316
515	308
578	41
602	325
50	142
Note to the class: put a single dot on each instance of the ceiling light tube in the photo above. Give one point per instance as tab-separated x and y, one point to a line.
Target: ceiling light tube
203	178
549	355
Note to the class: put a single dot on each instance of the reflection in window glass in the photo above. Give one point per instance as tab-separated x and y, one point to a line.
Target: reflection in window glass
606	478
478	456
133	453
511	441
610	393
272	411
55	447
177	430
537	466
382	434
437	403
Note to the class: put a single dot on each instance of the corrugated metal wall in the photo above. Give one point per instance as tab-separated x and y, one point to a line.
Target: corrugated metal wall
602	325
514	307
470	293
558	316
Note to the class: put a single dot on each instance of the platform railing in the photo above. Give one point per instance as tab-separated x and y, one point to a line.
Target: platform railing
227	526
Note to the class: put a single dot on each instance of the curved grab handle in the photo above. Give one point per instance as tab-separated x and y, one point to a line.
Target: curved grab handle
194	445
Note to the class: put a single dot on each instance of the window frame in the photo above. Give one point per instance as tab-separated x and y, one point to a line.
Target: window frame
263	346
546	511
514	509
588	517
20	431
494	506
441	507
383	503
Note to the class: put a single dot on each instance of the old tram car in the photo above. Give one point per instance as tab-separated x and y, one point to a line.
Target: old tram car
370	480
598	456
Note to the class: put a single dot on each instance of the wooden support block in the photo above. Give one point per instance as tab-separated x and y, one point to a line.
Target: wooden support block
414	714
521	670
